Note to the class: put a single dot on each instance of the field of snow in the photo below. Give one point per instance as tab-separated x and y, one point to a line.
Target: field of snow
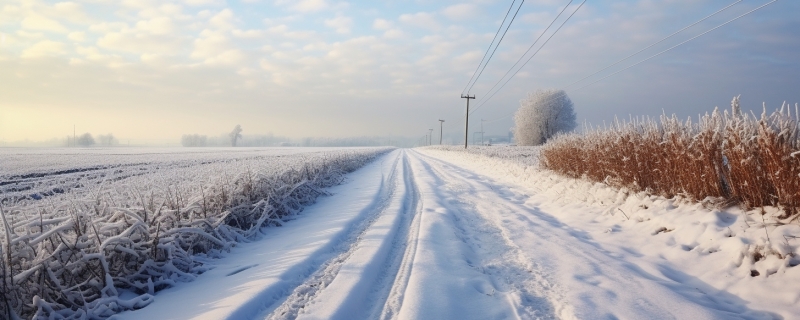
89	233
440	233
31	173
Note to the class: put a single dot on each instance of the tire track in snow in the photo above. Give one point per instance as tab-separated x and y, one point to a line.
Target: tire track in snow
295	301
404	250
528	283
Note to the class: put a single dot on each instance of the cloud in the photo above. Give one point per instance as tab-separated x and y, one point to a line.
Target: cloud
460	12
44	48
421	19
216	48
381	24
304	6
160	25
247	34
341	24
203	2
223	20
94	54
393	34
106	27
133	41
77	36
36	21
71	12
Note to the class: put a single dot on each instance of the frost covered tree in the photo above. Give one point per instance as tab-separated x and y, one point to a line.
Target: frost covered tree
85	140
194	140
235	135
541	115
107	140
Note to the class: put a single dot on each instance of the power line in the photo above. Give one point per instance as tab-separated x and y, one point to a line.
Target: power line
655	43
531	57
657	54
680	44
490	45
532	45
497	46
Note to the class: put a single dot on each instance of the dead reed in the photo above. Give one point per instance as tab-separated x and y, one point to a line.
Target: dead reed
727	157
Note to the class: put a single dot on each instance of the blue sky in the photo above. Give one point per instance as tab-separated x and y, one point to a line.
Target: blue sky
154	70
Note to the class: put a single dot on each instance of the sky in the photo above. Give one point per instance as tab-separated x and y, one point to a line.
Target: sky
151	71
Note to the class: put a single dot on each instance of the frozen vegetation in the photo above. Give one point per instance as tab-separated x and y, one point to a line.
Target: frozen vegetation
90	233
542	115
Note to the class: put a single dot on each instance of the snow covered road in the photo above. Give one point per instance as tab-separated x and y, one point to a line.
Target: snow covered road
415	237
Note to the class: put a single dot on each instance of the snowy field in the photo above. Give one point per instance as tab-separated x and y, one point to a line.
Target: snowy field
434	233
36	173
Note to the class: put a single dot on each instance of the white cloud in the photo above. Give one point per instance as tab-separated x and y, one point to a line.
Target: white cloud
283	31
204	14
44	48
203	2
381	24
77	36
71	12
106	27
341	24
160	25
216	48
91	53
305	6
25	35
223	20
36	21
248	34
132	41
393	34
460	12
421	19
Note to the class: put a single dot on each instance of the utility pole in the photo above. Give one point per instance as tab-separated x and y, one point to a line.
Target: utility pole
73	136
466	121
440	131
430	136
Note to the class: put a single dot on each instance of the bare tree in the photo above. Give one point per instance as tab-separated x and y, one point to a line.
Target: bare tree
107	140
194	140
85	140
236	134
541	115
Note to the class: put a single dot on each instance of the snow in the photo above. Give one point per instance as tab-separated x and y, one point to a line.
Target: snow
689	247
255	276
140	224
440	234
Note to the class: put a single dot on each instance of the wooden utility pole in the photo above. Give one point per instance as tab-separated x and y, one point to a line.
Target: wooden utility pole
440	131
466	121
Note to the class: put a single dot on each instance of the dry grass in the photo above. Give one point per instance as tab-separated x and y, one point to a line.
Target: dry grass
754	161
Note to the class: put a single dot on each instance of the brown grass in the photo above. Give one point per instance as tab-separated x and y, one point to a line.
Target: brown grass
754	161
